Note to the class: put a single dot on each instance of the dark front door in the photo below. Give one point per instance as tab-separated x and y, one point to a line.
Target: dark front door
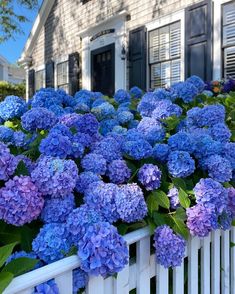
102	70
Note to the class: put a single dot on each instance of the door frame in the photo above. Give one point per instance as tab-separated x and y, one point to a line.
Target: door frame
110	47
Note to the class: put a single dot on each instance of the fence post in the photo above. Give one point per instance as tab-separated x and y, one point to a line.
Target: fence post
162	279
65	282
205	265
121	284
178	279
95	285
193	265
225	259
215	272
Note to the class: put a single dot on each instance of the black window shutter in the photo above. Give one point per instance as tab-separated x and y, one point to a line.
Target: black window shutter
50	74
198	40
31	81
137	58
74	72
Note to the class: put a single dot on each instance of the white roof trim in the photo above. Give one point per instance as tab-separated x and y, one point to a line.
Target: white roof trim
36	29
86	31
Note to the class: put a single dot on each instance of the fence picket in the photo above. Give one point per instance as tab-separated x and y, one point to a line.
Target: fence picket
225	259
193	265
28	291
205	265
65	282
143	266
232	250
178	279
108	285
215	273
121	284
95	285
162	280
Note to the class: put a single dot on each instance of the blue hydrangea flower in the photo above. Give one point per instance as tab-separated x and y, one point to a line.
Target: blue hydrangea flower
220	132
86	123
125	106
173	194
149	176
186	91
182	141
54	176
228	151
46	98
6	134
20	139
193	117
107	125
57	110
211	115
147	104
225	219
165	108
80	219
118	171
70	119
170	248
77	150
119	130
84	139
180	164
219	168
95	163
136	92
20	201
133	135
133	124
229	86
130	203
80	280
38	118
57	210
122	96
52	242
8	162
137	150
56	145
201	220
161	152
102	250
103	111
109	148
152	130
98	102
85	179
62	130
205	146
49	287
211	193
124	117
231	200
83	97
12	107
197	82
101	196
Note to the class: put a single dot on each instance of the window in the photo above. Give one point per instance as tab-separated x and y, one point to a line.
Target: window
229	40
62	76
39	79
165	55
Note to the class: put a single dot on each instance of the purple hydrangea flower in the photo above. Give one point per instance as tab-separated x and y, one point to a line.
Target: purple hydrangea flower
54	176
12	107
180	164
118	171
8	162
80	280
173	194
220	132
69	119
152	130
85	179
130	204
94	163
149	176
201	220
102	250
49	287
231	199
211	193
197	82
52	242
225	219
80	219
170	248
137	150
20	201
186	91
219	168
122	96
6	134
57	210
86	124
182	141
38	118
136	92
101	196
161	152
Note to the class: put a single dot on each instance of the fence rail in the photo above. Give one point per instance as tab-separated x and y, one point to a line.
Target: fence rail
208	267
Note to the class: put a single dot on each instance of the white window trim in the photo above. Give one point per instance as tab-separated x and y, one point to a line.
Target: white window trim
58	60
39	68
164	21
217	36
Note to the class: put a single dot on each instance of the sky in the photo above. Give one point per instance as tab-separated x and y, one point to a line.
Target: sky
12	49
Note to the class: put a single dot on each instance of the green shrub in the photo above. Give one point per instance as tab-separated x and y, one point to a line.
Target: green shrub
11	89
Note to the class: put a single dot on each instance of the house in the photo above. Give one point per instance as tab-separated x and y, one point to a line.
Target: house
104	45
10	72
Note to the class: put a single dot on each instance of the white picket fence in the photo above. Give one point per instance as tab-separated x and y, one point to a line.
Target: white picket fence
209	267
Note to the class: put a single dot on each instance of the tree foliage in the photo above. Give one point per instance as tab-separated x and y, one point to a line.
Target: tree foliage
7	89
11	19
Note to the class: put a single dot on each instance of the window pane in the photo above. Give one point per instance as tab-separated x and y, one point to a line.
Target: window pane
62	73
175	71
175	40
229	62
39	79
164	43
156	75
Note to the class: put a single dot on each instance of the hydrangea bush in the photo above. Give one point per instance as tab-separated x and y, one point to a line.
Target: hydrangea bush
76	173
